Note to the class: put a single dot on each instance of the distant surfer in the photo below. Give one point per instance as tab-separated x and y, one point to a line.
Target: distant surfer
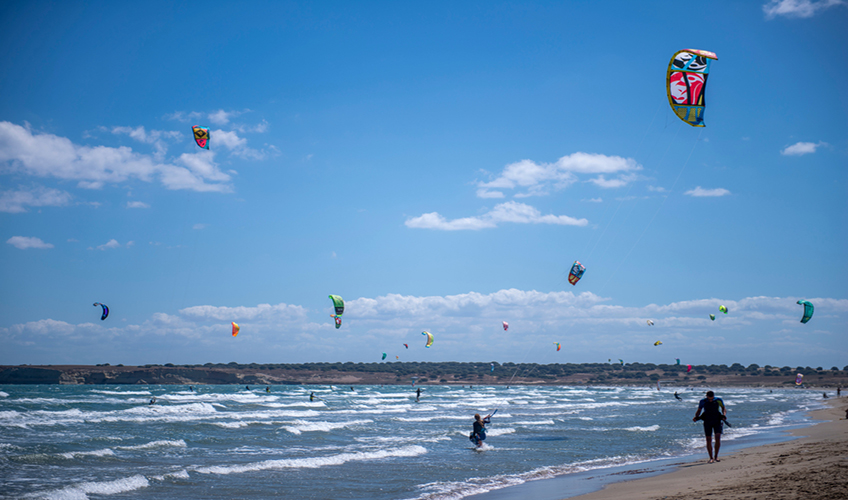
311	397
190	389
351	388
678	397
418	395
247	388
268	389
714	414
478	435
152	401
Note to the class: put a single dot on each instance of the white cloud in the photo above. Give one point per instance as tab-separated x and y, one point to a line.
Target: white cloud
137	204
24	242
220	117
47	155
155	137
701	192
801	148
15	201
539	178
657	189
200	226
594	200
797	8
485	193
113	243
236	144
510	211
622	180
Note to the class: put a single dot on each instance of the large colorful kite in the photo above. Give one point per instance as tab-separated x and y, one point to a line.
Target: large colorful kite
201	136
686	84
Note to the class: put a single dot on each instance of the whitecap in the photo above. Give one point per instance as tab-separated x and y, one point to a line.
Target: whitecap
80	491
302	426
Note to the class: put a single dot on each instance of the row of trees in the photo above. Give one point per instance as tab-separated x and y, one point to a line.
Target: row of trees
452	369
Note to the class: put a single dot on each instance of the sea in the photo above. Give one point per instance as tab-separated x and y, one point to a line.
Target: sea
360	442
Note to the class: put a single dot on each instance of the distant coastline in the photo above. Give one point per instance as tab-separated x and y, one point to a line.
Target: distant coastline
451	373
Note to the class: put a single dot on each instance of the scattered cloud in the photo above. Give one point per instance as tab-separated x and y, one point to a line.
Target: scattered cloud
798	8
657	189
510	211
200	226
48	155
622	180
701	192
108	245
24	242
539	179
219	117
16	201
593	200
155	137
333	255
137	204
802	148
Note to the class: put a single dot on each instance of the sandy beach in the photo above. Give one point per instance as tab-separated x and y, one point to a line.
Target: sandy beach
815	466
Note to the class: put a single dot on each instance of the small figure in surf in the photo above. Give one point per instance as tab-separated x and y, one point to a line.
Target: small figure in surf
247	388
351	388
190	389
824	394
268	389
678	397
152	401
478	435
311	397
418	395
714	414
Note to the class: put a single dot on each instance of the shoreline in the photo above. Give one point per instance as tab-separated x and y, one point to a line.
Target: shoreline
809	462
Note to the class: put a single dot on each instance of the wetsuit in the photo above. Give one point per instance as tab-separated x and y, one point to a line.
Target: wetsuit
712	415
479	433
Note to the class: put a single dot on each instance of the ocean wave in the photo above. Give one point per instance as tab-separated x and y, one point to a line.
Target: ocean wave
302	426
534	422
105	452
155	444
122	393
3	394
314	462
650	428
80	491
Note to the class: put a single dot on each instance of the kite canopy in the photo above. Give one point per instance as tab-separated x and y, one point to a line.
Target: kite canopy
577	270
678	360
201	136
338	303
650	323
384	355
621	361
406	345
808	310
712	317
105	313
799	379
235	329
429	338
506	326
722	309
658	342
493	367
558	346
688	368
686	84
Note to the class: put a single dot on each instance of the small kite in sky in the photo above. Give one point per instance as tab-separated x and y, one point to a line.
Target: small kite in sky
235	329
201	136
429	338
577	270
808	310
105	313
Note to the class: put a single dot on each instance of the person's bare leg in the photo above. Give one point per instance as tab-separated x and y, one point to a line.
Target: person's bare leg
710	447
717	446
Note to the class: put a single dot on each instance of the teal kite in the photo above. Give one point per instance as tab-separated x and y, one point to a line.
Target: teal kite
808	310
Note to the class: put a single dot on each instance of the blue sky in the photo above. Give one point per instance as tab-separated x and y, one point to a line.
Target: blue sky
440	168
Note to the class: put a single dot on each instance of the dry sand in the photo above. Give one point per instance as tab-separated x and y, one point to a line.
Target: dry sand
814	467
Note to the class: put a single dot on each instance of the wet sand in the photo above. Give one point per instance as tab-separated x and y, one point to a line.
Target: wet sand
813	467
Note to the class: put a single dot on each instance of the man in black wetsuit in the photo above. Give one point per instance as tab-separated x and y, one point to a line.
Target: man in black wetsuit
714	413
478	435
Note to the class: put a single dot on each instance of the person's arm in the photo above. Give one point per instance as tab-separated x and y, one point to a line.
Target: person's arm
698	412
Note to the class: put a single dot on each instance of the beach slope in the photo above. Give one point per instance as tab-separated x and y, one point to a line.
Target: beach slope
814	467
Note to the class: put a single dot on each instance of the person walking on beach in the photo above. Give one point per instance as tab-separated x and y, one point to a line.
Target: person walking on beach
714	413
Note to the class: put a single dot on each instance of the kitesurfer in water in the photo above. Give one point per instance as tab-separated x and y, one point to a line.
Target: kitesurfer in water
311	397
268	389
418	395
714	414
478	435
678	397
247	388
153	400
